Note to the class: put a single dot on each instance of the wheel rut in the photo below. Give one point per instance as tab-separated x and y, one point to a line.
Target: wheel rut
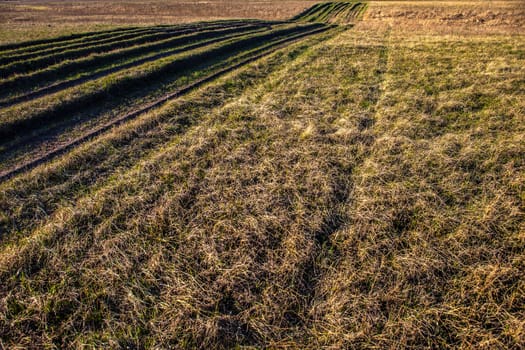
258	54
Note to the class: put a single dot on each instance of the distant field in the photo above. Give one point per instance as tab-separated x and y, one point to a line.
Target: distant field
285	175
26	20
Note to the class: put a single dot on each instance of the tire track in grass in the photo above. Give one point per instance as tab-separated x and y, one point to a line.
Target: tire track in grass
336	219
31	65
119	120
15	121
8	59
43	47
86	65
340	8
116	38
146	206
33	43
55	87
306	13
332	12
48	43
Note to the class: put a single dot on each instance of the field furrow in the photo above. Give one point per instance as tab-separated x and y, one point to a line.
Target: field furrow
28	47
94	66
225	59
17	119
119	36
30	65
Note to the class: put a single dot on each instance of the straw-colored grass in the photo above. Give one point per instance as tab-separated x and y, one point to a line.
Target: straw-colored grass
362	191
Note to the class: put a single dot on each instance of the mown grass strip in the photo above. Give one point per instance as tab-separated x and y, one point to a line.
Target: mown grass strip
331	12
31	54
95	62
83	40
40	44
27	44
48	51
26	66
255	55
113	84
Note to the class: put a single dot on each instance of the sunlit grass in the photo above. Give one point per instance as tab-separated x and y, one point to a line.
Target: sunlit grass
363	188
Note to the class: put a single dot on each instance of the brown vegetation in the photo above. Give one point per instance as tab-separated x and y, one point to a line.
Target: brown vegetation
361	189
450	17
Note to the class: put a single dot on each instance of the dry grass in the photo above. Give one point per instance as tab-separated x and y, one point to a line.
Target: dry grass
433	249
449	17
365	192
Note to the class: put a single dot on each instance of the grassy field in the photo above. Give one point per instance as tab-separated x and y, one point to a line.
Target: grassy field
31	19
351	179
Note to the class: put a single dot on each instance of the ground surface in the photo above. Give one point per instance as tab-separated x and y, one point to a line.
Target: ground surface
363	187
25	20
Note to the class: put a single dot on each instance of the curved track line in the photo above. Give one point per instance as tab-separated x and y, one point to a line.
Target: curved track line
8	59
61	85
6	175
